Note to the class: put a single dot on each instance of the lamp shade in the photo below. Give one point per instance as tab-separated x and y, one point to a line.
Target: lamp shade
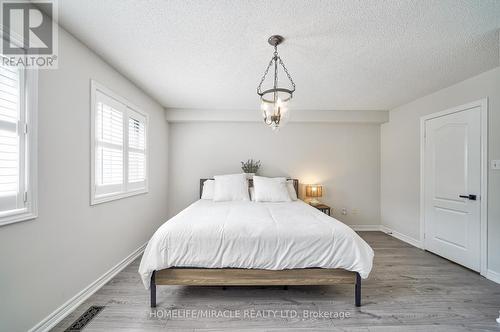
314	190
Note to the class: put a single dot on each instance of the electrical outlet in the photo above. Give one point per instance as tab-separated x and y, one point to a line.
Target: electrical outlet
495	164
344	211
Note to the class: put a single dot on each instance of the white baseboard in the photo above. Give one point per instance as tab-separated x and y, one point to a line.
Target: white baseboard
493	276
402	237
387	230
365	228
60	313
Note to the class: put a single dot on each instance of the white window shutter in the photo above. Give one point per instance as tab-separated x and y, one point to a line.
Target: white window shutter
18	146
136	150
109	145
119	147
11	140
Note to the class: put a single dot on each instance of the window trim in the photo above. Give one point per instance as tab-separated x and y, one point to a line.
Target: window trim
30	211
94	200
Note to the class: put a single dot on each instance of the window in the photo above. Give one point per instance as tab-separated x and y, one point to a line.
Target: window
119	147
17	144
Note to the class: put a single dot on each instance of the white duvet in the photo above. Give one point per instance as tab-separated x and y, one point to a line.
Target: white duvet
273	236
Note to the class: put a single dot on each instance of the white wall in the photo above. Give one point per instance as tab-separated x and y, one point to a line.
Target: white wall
400	157
46	261
342	157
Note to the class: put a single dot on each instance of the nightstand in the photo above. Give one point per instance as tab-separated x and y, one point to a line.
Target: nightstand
323	208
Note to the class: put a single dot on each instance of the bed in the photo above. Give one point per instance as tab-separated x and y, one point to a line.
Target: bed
246	243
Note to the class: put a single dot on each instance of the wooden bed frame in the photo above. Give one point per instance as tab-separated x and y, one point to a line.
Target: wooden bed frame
254	277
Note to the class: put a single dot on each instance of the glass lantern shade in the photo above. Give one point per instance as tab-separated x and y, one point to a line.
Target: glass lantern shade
275	114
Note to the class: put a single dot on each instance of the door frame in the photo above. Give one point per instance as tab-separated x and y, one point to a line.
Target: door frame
483	104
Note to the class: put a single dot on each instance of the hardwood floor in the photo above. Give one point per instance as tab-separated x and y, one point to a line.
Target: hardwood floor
408	290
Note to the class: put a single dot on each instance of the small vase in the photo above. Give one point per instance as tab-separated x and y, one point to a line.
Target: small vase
250	175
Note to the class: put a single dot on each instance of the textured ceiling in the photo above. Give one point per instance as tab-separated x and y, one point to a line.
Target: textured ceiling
364	55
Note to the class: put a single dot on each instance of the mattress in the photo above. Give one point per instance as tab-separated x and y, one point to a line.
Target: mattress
255	235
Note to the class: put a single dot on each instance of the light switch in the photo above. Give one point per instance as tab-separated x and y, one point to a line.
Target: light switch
495	164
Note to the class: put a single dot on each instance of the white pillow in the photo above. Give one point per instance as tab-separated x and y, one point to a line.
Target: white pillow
291	190
270	189
231	187
208	189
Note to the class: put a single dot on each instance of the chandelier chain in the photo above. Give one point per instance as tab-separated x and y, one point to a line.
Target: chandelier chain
264	76
287	73
277	59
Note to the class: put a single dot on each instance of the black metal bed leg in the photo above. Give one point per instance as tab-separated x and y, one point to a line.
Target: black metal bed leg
152	288
357	290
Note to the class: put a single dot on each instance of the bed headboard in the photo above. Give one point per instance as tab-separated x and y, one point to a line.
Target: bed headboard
250	183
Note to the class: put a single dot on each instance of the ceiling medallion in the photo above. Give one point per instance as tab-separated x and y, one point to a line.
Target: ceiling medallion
275	101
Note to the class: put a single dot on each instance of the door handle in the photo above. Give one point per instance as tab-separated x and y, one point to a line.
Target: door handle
471	197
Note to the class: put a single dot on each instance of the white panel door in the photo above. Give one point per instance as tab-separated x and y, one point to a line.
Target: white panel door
452	186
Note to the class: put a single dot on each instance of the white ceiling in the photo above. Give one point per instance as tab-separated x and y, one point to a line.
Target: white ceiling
363	55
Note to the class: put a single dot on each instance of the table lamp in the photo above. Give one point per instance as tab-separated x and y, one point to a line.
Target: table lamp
314	191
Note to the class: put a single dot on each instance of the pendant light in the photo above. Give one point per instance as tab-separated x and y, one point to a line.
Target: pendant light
276	100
